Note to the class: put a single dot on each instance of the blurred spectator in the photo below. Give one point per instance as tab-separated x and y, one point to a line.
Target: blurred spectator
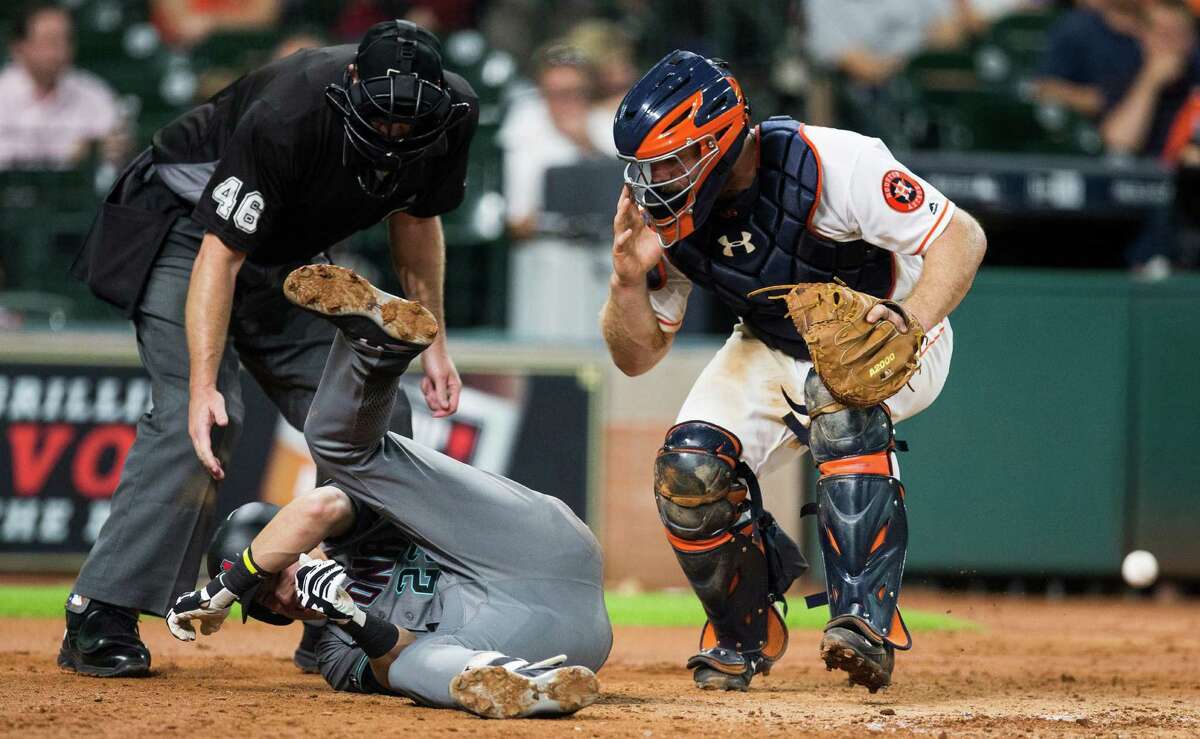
870	40
439	16
1130	63
186	23
50	113
979	14
609	51
297	41
546	128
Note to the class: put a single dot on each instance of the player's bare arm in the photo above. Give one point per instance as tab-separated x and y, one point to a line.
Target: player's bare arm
209	301
263	573
299	528
280	570
418	249
951	262
631	330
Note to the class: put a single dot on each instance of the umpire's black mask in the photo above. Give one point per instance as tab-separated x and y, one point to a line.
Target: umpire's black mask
395	105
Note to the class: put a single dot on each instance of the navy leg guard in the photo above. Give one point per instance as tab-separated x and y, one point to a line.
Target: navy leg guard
862	523
734	556
864	535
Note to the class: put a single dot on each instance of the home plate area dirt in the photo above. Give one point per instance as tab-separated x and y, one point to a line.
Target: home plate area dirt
1086	667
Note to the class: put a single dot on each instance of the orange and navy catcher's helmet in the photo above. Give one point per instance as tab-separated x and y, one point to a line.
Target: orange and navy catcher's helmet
683	101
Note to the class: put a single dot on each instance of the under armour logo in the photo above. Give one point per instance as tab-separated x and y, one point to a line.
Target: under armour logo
743	243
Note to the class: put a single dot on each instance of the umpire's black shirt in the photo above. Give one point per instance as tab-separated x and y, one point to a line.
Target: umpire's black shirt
260	166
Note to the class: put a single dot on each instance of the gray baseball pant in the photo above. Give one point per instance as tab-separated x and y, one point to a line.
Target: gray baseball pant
521	575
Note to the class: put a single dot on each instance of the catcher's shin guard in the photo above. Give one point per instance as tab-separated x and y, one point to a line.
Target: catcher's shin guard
863	530
734	556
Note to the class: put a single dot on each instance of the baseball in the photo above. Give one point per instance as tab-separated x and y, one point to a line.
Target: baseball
1140	569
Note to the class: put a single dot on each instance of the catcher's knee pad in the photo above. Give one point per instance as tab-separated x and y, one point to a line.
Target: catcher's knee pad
702	501
863	526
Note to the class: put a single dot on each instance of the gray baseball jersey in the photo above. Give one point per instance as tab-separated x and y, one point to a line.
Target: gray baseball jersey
470	561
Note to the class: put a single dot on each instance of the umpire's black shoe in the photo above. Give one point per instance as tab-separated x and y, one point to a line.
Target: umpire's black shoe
361	310
102	640
867	659
305	656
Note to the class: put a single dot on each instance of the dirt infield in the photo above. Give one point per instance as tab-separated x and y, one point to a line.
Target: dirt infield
1079	667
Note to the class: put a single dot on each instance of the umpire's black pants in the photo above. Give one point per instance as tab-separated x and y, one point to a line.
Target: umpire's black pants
151	546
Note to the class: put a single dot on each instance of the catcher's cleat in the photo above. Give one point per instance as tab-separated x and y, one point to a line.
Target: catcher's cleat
867	660
102	640
361	310
724	669
513	688
305	656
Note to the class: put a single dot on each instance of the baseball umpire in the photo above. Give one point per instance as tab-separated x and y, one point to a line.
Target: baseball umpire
450	585
711	200
193	243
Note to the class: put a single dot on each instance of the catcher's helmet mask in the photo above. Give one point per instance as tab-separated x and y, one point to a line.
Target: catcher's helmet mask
667	200
397	79
684	101
231	538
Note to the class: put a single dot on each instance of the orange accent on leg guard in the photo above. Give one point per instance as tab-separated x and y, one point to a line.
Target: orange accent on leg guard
703	545
879	539
833	541
898	631
879	463
777	636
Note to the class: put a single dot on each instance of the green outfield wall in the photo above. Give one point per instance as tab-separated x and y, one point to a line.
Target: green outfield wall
1067	433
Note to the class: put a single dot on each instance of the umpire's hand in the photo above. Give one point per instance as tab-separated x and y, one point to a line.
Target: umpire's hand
206	406
441	385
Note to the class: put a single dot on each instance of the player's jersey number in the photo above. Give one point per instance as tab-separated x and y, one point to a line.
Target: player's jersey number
247	214
421	574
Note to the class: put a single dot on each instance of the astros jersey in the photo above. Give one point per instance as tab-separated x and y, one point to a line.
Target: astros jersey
262	162
865	194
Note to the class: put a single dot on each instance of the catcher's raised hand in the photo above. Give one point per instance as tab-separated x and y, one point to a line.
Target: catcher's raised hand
636	248
209	608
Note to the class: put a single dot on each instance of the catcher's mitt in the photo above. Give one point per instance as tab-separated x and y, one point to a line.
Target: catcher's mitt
861	363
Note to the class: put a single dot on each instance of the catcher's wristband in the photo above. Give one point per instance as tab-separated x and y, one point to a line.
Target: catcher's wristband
374	635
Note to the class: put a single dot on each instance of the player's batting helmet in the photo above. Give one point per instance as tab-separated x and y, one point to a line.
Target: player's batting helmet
397	79
684	101
232	537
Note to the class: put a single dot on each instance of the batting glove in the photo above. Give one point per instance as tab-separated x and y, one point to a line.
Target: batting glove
320	586
209	606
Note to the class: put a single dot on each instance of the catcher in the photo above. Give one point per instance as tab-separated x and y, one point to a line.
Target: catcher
747	213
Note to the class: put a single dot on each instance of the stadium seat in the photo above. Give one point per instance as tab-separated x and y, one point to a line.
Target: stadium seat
1012	49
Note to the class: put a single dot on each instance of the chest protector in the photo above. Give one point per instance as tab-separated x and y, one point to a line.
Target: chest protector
764	238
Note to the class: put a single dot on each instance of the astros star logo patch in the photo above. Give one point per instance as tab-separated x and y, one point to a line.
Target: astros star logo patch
902	192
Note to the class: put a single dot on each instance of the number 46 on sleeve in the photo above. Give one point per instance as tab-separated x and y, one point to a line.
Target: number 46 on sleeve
250	210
